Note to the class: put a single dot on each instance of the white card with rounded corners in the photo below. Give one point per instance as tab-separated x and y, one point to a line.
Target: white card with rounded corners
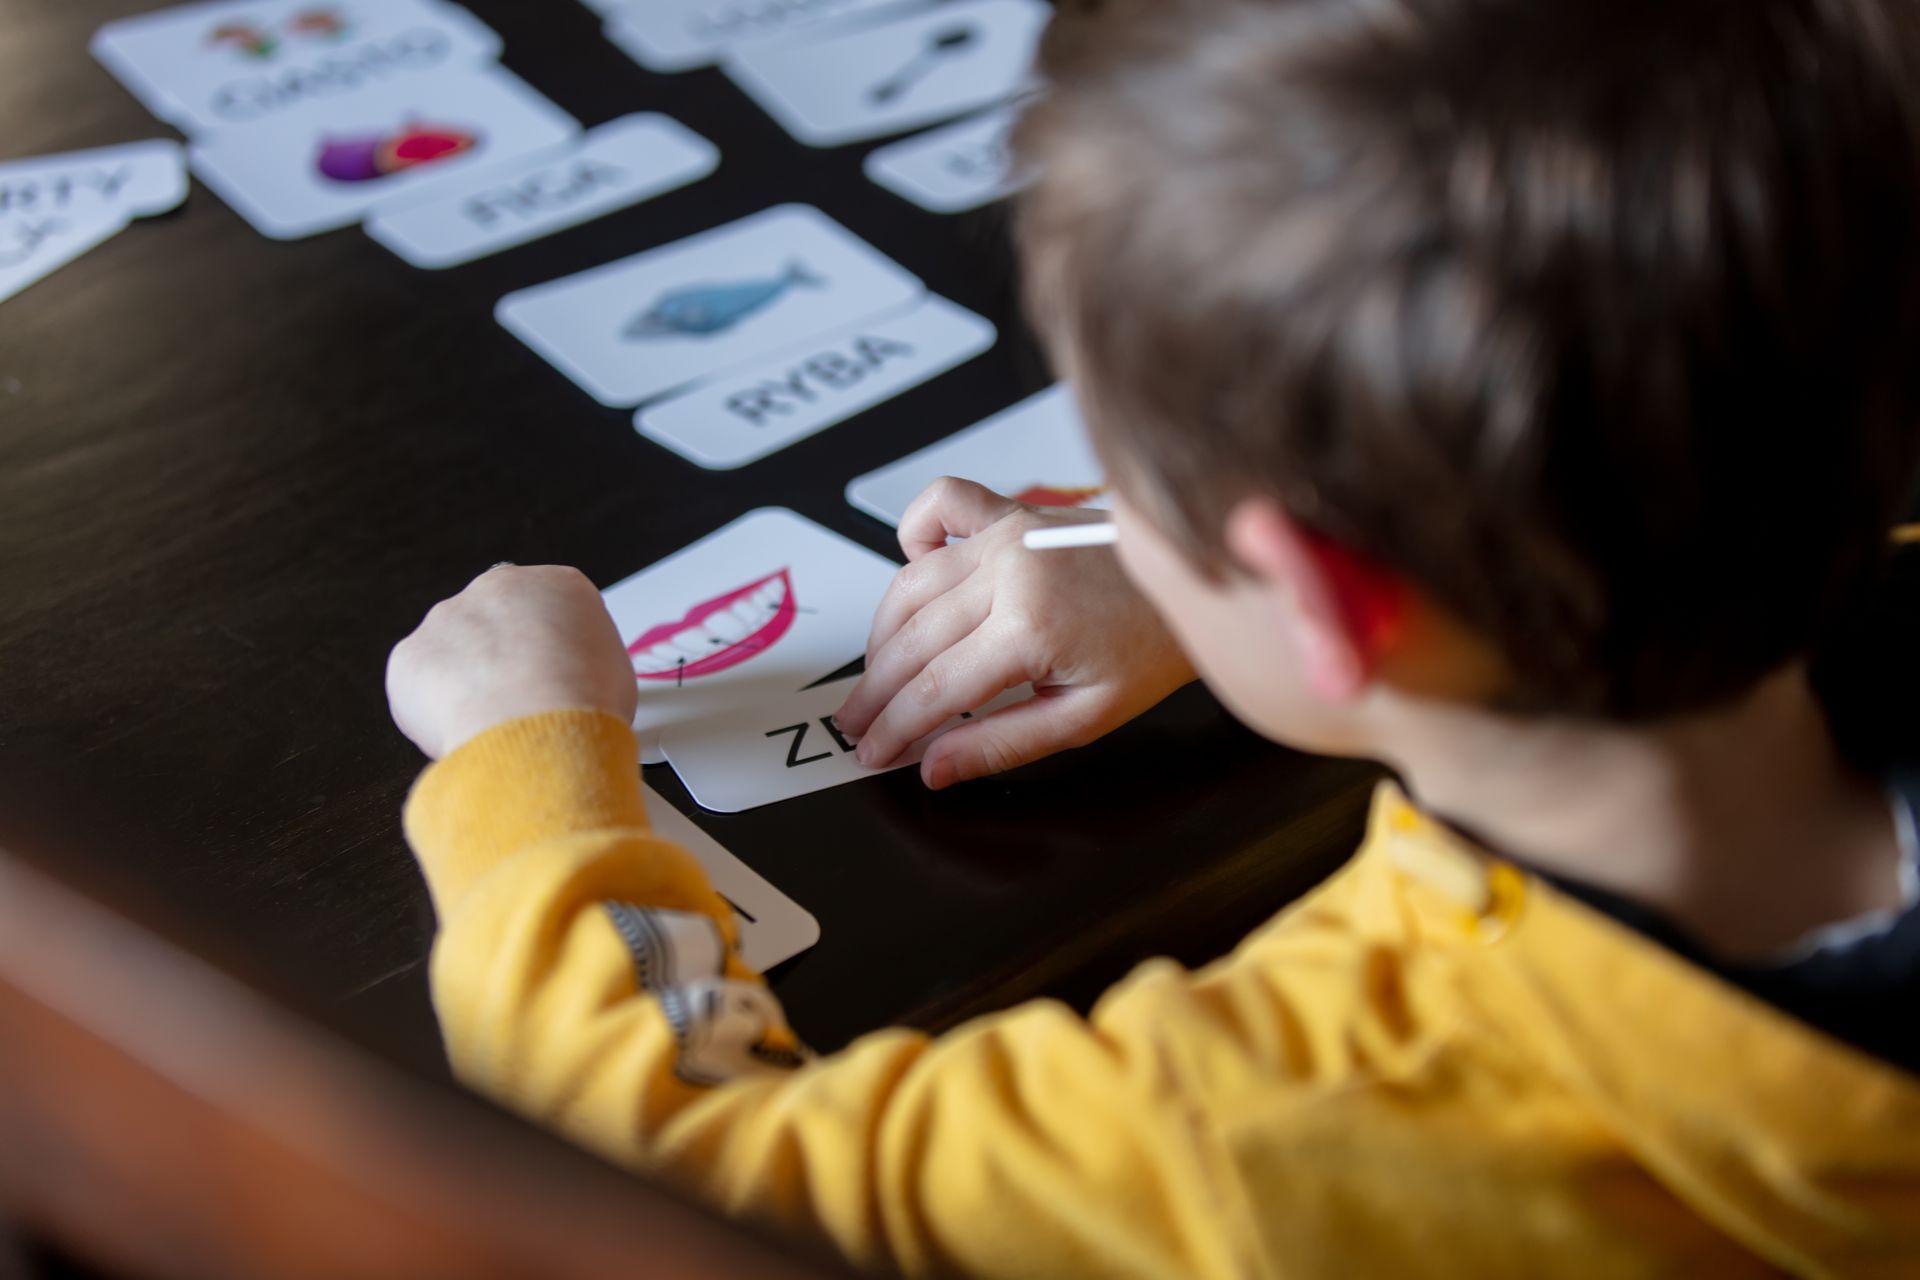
679	35
332	163
134	180
773	927
735	420
752	612
759	754
885	78
611	167
1036	452
243	62
35	245
671	317
952	169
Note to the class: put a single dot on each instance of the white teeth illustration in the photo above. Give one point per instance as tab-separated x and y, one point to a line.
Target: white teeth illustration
726	628
693	643
720	630
646	663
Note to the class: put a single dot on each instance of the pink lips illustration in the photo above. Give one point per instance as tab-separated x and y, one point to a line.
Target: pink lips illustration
721	633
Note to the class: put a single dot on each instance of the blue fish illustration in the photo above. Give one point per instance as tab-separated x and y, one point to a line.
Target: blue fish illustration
702	310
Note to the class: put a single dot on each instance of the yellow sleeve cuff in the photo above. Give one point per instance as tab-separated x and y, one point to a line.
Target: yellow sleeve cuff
518	784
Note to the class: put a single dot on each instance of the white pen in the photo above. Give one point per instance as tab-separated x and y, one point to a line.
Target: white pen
1071	535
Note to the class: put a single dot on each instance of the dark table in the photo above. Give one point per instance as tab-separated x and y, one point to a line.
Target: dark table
233	472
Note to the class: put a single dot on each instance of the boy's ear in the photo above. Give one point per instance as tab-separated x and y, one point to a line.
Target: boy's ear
1345	610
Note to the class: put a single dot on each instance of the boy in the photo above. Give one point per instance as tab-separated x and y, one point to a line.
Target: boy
1511	391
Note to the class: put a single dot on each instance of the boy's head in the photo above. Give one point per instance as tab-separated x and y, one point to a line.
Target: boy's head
1567	354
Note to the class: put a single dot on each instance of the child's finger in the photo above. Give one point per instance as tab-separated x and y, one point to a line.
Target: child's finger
1012	736
933	630
950	508
966	676
915	587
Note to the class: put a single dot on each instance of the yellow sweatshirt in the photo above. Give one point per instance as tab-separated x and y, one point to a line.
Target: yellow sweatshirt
1433	1065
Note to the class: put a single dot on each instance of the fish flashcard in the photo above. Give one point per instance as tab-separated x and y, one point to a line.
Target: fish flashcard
773	927
952	169
754	611
736	419
787	747
333	161
611	167
697	310
678	35
857	81
632	330
222	65
1036	451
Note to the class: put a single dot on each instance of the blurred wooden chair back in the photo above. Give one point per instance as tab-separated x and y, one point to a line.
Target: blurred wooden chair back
160	1117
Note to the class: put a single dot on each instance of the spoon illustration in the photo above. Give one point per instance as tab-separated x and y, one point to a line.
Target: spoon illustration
944	44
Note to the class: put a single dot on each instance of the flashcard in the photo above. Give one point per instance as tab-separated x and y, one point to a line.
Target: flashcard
757	754
737	419
752	612
616	165
1035	452
235	62
953	169
329	164
886	78
630	330
678	35
773	927
136	180
34	245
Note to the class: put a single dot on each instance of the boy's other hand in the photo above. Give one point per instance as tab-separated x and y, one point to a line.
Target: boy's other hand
516	642
962	623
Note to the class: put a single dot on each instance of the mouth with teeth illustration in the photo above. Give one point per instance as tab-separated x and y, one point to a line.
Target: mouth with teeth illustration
1048	495
721	633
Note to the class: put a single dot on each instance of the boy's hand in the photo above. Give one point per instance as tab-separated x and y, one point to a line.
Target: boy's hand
962	623
516	642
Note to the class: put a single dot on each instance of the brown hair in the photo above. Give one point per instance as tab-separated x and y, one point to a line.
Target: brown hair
1596	320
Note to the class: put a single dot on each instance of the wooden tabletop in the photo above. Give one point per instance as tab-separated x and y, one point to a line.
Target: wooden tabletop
233	472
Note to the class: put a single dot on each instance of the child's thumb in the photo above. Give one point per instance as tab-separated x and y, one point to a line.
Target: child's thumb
1010	737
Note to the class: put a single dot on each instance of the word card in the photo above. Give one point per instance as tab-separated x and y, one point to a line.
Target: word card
55	208
735	420
773	927
225	63
748	614
740	294
34	246
331	162
756	755
135	180
616	165
885	78
1035	452
953	169
678	35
